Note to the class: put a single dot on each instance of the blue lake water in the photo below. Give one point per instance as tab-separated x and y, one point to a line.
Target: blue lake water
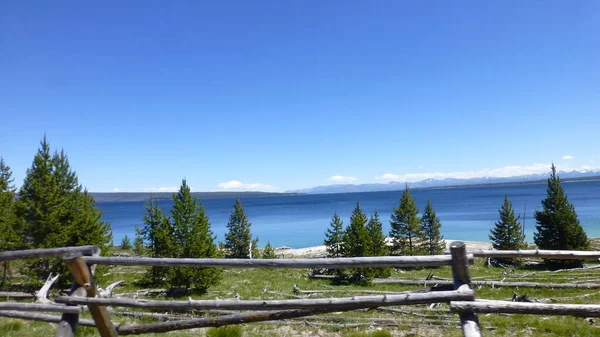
466	213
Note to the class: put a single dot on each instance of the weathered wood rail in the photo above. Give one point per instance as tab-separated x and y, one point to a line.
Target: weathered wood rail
82	262
345	262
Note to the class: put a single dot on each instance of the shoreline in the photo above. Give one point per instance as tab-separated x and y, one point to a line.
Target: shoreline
320	251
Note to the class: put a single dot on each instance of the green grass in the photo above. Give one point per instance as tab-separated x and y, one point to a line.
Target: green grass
249	284
225	331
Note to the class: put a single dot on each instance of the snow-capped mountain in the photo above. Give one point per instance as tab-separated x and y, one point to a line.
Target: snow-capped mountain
448	182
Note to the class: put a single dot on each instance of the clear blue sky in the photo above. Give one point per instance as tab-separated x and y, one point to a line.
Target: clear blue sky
291	93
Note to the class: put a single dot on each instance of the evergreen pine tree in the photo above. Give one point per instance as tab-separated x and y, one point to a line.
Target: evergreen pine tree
269	252
126	242
255	249
9	236
55	211
139	248
378	245
158	234
507	233
334	237
406	230
433	241
356	241
238	237
193	239
557	226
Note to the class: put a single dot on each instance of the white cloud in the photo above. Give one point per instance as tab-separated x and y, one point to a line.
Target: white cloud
162	189
502	172
234	185
116	190
568	157
342	179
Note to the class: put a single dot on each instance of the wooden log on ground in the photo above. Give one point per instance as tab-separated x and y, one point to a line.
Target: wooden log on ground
45	252
68	322
83	277
462	278
249	317
39	307
339	303
491	284
544	254
16	295
34	316
579	310
346	262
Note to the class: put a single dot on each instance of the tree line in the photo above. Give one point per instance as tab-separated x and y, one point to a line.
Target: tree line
52	209
409	234
187	233
557	228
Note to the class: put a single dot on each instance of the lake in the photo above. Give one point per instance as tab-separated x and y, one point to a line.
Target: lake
466	213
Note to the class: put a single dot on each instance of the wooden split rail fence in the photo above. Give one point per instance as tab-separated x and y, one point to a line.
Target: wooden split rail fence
82	261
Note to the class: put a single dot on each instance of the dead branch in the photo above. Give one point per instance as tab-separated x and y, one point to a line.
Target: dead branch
42	295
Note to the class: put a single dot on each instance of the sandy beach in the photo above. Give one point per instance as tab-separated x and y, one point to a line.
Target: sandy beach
320	251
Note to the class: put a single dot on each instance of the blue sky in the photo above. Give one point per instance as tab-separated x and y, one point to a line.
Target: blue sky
277	95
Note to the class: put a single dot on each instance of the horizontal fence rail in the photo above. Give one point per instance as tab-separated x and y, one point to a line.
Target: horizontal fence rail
39	307
408	298
34	316
380	261
506	307
82	261
46	252
544	254
488	283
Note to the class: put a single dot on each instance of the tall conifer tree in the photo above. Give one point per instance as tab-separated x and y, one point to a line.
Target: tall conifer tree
557	226
433	241
406	231
56	211
9	236
356	239
377	245
9	232
507	233
193	238
334	237
239	236
159	237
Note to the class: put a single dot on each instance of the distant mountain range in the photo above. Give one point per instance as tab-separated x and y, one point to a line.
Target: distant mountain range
448	182
143	196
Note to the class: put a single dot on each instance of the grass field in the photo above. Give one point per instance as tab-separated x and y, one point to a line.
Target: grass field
405	321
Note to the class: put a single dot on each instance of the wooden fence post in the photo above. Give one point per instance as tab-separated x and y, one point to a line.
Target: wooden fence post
68	322
83	277
460	272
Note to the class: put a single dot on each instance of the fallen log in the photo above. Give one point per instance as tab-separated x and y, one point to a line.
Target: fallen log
490	283
16	295
345	262
260	316
32	316
347	303
39	307
579	310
